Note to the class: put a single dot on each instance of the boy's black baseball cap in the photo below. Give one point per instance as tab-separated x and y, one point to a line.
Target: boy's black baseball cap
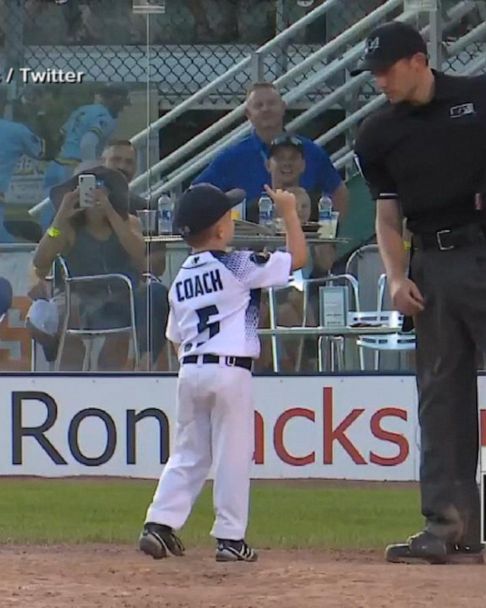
389	43
287	140
203	205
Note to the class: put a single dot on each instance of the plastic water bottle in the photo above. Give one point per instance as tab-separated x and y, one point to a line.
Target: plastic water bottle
325	209
166	214
265	211
325	217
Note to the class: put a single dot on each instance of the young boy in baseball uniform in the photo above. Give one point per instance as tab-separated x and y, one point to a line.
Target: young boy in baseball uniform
214	309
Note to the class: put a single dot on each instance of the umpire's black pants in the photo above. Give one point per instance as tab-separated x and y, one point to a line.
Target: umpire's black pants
450	332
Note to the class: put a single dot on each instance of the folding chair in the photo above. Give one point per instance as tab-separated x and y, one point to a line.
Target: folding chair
336	344
366	265
93	338
398	342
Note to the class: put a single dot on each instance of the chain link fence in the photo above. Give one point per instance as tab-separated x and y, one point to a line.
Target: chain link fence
166	51
174	48
178	47
472	20
189	43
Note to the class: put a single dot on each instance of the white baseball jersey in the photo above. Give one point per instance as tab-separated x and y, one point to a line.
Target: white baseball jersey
215	301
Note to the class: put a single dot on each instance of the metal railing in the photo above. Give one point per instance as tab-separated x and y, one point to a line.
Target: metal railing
316	60
343	156
323	67
320	55
253	59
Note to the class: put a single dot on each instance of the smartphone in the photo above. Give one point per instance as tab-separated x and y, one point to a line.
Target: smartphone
87	185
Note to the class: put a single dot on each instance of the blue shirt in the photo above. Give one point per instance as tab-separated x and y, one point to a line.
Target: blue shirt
16	140
93	118
242	165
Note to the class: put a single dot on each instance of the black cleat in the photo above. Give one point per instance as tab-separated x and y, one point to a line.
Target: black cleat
235	551
158	541
421	547
424	547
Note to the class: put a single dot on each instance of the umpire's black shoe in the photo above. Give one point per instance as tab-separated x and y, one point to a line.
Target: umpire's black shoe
235	551
421	547
425	547
158	541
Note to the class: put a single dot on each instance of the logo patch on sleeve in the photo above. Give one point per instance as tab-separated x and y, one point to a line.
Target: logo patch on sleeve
465	109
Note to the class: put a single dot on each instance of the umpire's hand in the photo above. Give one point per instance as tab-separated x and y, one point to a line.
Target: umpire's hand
406	296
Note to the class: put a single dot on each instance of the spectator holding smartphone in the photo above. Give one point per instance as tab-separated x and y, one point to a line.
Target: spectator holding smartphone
104	238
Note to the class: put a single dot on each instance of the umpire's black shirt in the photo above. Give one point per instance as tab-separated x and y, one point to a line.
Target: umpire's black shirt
431	157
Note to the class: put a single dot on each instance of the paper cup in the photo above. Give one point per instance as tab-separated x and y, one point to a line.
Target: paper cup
328	228
148	219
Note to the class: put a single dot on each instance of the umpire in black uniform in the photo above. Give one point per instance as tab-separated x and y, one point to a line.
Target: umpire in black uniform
424	158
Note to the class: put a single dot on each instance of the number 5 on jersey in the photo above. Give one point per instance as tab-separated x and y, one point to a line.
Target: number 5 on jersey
204	315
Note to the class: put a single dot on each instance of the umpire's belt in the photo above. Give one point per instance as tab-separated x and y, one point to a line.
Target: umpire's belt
244	362
453	238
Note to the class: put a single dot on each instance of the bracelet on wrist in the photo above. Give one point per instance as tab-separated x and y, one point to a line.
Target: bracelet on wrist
53	232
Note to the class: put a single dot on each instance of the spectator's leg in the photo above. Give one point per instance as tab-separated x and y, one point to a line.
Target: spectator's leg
72	360
114	353
99	313
156	258
73	351
289	314
265	362
151	312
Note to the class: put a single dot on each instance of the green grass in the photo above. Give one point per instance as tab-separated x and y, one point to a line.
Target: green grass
283	514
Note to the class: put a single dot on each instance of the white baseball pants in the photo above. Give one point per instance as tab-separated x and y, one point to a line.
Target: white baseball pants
215	425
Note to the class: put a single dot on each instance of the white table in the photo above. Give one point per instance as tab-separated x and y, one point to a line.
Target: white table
244	239
327	334
178	249
345	332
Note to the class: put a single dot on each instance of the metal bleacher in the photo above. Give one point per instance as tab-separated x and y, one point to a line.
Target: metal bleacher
313	78
324	74
320	82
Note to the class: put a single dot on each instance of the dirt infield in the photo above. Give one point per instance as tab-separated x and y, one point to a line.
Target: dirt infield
119	577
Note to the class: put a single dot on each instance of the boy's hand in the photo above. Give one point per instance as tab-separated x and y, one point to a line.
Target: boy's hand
285	201
286	204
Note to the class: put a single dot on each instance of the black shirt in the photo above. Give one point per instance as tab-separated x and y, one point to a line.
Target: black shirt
432	157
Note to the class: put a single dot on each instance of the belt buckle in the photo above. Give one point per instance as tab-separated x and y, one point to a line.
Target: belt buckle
231	361
438	236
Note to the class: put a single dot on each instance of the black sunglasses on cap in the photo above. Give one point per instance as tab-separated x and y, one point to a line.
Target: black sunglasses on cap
287	140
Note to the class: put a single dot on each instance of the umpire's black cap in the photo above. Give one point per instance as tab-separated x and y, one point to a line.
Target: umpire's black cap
389	43
203	205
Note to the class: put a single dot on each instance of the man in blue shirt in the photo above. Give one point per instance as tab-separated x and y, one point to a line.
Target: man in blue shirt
243	165
86	132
